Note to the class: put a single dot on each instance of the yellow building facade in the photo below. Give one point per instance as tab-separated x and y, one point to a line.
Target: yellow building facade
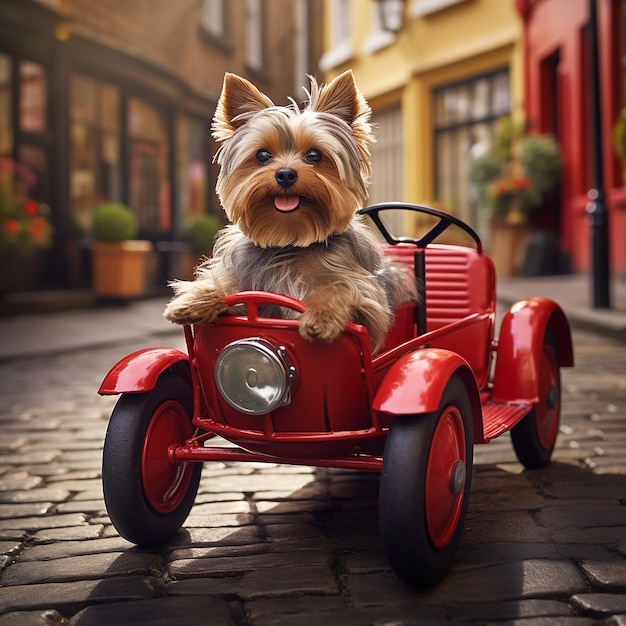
440	76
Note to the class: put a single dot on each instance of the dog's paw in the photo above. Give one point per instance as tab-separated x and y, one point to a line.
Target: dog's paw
179	311
181	315
324	325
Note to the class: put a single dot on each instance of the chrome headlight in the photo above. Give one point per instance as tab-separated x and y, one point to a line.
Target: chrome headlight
254	376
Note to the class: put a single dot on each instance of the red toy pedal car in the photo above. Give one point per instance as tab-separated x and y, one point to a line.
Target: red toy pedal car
413	412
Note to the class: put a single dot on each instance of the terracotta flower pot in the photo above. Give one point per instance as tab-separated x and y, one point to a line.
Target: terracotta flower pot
119	269
508	246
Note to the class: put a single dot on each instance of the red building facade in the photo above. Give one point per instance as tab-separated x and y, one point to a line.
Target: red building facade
557	99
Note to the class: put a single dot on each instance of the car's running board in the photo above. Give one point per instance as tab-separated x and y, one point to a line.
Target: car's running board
498	417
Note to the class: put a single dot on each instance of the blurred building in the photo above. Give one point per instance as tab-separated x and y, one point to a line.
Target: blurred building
438	79
439	74
113	99
558	100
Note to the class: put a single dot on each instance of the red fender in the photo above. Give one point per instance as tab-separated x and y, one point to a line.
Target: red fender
416	381
520	343
139	371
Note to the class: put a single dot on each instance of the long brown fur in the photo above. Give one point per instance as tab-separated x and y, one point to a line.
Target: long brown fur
319	252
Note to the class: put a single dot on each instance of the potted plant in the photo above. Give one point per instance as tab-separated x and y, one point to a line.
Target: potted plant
619	140
199	233
25	228
518	174
120	261
517	178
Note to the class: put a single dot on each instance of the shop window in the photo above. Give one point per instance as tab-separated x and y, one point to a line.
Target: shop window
254	35
6	113
212	17
192	169
341	20
23	120
32	107
304	35
387	182
148	168
35	158
29	80
214	22
95	147
378	38
465	115
341	47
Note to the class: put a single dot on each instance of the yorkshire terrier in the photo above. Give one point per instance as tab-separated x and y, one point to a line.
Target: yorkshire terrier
291	180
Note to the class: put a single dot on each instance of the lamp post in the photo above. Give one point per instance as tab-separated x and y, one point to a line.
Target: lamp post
596	207
391	14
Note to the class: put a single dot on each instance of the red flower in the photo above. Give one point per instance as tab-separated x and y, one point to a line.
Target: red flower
510	184
22	224
500	187
11	226
37	228
31	208
520	182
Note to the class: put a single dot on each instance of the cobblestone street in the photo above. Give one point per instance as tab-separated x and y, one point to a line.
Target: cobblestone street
287	546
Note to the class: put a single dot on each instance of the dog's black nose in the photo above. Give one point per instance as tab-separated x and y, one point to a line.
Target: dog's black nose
286	177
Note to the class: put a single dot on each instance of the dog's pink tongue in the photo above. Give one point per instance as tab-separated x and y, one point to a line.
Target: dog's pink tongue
286	203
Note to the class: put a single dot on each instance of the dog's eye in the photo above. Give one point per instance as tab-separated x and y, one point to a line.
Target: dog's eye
313	156
263	157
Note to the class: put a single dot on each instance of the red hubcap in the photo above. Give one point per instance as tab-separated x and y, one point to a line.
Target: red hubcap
548	408
445	477
165	483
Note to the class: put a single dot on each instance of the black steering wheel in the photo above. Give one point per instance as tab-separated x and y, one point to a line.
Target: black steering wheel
445	220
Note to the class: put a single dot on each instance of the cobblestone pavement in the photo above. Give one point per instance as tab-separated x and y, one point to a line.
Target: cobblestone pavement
283	546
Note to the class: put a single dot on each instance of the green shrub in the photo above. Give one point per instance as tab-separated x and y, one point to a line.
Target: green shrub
540	157
520	173
200	232
114	222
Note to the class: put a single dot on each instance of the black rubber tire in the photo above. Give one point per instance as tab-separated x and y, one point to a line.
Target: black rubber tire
418	557
534	437
134	513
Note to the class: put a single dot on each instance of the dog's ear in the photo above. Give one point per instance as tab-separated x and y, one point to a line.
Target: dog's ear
238	100
341	97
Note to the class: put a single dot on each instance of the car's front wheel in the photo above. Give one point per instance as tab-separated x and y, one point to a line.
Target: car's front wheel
147	496
425	486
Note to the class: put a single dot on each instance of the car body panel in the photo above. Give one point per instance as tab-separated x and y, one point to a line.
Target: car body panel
519	348
138	372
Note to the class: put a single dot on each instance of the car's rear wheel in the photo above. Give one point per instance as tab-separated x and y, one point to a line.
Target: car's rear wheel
535	436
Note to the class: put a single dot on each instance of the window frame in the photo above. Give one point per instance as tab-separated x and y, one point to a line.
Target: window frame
442	128
100	130
255	36
220	36
35	139
342	49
